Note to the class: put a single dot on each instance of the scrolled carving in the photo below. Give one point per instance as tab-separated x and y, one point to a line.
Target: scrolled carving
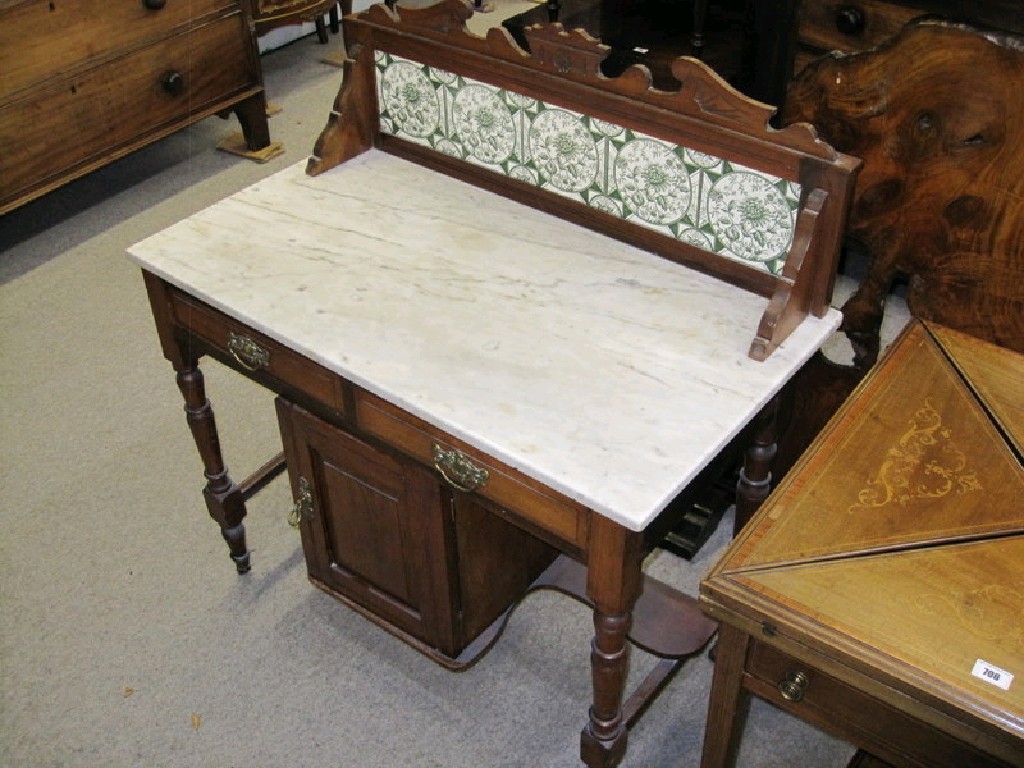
571	52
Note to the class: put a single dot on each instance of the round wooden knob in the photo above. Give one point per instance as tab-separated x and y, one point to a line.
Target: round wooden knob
173	82
850	20
154	5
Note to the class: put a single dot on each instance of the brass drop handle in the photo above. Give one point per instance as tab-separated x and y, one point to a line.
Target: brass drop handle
303	508
793	686
154	5
173	82
247	352
457	470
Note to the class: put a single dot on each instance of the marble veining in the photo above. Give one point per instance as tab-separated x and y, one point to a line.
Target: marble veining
606	372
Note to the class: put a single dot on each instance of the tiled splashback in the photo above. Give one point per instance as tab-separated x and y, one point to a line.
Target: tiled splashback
721	207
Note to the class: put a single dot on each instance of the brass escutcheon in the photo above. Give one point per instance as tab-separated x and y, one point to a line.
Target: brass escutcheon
247	352
793	686
303	508
457	470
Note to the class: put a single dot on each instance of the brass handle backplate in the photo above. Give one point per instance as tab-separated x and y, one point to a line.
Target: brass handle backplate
247	352
303	509
457	470
793	686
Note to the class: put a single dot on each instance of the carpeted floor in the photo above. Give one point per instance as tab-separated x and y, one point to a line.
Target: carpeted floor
127	639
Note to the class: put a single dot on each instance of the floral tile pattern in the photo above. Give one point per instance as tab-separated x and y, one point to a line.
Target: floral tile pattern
719	206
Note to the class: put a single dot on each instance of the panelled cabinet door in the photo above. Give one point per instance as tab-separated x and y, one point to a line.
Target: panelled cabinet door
372	526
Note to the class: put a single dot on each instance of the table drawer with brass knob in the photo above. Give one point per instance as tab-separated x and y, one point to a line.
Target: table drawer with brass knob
821	699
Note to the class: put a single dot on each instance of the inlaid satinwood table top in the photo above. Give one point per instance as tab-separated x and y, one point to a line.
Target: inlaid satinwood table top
898	541
606	372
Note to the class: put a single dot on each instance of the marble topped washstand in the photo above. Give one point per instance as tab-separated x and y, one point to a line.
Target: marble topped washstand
605	372
593	379
489	351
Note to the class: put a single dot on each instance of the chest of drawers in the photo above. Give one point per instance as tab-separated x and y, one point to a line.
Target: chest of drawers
82	83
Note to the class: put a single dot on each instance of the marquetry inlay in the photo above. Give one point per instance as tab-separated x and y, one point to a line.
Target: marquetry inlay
926	462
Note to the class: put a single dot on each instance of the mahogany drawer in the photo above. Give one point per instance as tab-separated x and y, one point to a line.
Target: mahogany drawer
38	38
83	121
555	516
855	715
260	355
835	25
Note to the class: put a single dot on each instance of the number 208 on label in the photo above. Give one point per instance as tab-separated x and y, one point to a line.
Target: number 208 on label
990	673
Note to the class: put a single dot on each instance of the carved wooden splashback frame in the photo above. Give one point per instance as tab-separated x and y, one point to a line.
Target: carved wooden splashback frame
562	69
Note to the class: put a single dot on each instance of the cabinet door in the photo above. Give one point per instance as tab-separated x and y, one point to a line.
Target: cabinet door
373	528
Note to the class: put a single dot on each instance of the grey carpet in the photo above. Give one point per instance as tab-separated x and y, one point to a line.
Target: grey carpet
126	637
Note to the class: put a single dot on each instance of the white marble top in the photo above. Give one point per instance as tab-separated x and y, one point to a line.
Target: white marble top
604	371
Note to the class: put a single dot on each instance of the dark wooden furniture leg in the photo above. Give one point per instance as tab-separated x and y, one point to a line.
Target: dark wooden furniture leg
224	499
614	582
729	700
321	31
756	476
252	115
700	17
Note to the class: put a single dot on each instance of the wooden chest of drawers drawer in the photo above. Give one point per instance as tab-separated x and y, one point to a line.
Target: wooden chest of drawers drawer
87	119
39	38
84	83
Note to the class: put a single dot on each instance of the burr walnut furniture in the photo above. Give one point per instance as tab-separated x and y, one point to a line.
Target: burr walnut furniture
84	83
791	34
850	26
937	118
878	592
478	397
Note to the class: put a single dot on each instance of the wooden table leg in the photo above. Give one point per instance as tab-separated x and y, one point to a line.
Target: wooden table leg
614	582
224	499
729	701
756	476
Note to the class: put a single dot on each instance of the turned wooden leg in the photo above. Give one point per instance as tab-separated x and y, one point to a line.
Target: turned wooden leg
223	498
756	476
729	701
614	582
